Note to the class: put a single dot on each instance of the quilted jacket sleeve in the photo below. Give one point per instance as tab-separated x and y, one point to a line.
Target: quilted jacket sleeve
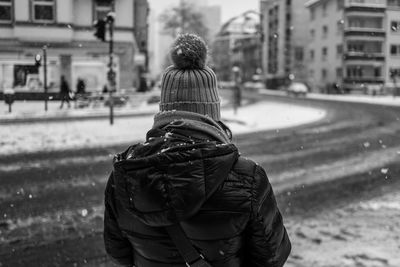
117	246
267	243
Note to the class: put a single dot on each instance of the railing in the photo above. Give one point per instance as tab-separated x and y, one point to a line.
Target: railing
368	79
367	3
364	55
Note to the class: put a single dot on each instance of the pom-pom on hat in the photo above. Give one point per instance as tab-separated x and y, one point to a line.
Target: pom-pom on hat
188	84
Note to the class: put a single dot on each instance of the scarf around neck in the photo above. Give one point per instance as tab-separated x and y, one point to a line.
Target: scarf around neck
191	124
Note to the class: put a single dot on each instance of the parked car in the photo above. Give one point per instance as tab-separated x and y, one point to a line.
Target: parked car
297	89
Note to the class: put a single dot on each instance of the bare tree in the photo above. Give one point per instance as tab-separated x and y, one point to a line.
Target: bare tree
183	19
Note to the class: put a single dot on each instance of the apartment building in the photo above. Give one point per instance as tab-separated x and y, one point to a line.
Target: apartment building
231	44
285	29
66	28
354	44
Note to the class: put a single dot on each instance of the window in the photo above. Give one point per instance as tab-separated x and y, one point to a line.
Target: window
43	10
324	53
339	73
355	47
354	72
5	11
298	53
339	50
324	31
377	72
340	4
394	26
312	33
101	8
395	50
312	54
393	72
312	13
393	3
324	73
357	23
324	13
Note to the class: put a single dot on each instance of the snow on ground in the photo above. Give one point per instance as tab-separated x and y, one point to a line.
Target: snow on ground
361	234
370	99
49	136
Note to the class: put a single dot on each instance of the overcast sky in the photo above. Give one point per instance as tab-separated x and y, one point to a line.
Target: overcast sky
229	8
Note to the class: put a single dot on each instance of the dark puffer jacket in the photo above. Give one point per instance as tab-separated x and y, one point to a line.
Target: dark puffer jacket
225	204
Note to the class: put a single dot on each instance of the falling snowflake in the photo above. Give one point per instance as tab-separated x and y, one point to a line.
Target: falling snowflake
84	212
366	144
384	170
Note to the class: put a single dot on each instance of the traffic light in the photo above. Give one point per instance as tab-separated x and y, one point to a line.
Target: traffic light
38	60
100	27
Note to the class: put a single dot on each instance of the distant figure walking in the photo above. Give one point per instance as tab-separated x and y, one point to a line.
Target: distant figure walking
80	87
64	92
237	89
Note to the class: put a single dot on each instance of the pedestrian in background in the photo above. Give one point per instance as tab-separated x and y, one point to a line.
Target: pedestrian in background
64	92
237	89
80	87
186	195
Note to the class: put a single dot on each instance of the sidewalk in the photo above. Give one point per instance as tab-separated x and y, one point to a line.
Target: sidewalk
33	111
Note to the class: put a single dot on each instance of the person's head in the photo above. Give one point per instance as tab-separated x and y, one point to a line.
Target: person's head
189	85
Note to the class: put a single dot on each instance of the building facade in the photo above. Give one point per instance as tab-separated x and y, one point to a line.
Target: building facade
66	28
285	30
237	44
354	44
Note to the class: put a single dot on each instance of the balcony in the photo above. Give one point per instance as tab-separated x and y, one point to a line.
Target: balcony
363	31
360	55
368	79
368	5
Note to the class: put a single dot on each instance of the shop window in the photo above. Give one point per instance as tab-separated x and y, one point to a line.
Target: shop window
43	10
6	11
102	8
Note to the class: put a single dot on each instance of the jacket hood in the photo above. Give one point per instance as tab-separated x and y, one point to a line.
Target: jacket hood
169	177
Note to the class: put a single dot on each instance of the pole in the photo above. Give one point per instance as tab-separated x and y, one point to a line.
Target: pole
182	6
45	76
111	76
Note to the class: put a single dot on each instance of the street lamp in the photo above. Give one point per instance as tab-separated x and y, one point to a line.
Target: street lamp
38	63
100	33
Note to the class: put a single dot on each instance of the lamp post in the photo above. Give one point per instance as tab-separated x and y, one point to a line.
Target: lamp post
38	63
45	76
111	72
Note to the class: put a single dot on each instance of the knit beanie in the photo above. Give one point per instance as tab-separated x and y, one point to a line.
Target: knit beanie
189	85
